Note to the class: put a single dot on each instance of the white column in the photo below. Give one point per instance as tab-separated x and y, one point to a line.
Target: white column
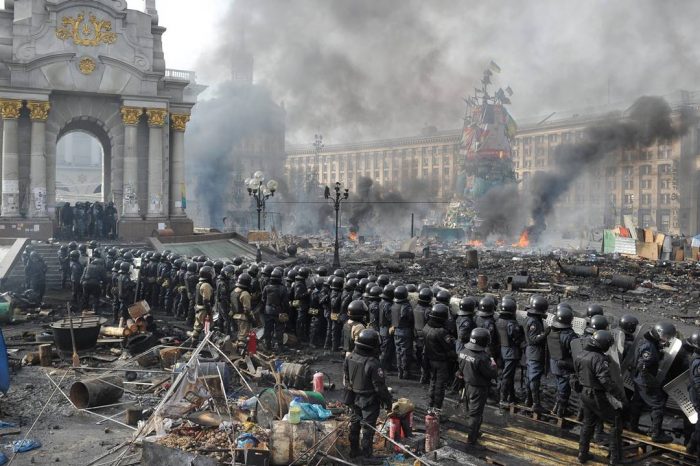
39	113
178	199
9	109
156	120
130	204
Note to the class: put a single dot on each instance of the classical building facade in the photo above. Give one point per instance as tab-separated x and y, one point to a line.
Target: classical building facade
656	186
96	67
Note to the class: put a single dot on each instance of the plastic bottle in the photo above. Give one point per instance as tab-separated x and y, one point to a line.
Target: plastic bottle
294	416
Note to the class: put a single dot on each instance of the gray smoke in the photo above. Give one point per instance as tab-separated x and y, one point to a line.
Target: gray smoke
363	69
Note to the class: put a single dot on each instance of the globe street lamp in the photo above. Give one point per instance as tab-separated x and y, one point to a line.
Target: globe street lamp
339	196
260	191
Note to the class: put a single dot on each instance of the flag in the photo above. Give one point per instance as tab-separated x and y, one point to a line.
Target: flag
494	67
183	196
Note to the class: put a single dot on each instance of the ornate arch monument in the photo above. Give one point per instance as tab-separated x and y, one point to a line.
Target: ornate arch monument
93	66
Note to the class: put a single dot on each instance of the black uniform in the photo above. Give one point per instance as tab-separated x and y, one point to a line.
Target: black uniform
76	273
439	351
275	302
536	338
593	372
647	390
373	307
223	304
64	262
125	290
388	355
561	362
489	323
302	300
465	324
478	371
403	324
511	337
317	327
420	318
191	279
365	378
336	320
92	280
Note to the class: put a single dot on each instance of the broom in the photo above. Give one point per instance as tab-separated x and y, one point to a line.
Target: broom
76	358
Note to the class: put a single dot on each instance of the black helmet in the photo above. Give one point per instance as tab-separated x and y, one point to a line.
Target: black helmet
439	312
237	261
192	267
479	339
92	244
382	280
351	284
218	266
594	310
178	264
368	340
664	332
339	273
267	270
375	293
207	263
206	273
508	305
72	245
183	265
466	306
244	281
74	255
388	292
337	283
351	275
228	271
128	257
125	267
694	341
628	323
397	283
400	294
113	253
82	248
117	266
599	322
539	305
602	339
322	271
425	296
443	296
253	270
357	309
328	280
291	275
156	257
372	278
487	306
63	248
564	317
276	276
411	288
362	273
362	285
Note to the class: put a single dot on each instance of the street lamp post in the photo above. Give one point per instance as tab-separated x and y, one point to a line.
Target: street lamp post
259	191
339	196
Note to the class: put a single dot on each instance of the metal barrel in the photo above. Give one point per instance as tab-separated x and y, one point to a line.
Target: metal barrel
90	393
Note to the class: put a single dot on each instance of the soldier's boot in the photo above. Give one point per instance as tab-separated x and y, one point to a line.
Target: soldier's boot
528	399
692	446
657	433
615	448
584	445
555	408
513	397
633	422
563	408
536	403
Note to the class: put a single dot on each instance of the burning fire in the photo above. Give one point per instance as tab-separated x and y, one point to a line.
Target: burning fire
475	243
500	243
524	240
352	236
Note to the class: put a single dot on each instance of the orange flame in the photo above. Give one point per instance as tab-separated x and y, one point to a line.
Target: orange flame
500	243
352	236
524	240
475	243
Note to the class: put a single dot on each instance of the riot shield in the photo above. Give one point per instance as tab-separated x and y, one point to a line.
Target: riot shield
577	347
677	390
521	317
579	325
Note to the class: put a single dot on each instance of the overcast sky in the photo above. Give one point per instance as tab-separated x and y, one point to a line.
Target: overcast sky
357	69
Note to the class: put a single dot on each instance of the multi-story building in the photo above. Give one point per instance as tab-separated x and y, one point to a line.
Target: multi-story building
655	186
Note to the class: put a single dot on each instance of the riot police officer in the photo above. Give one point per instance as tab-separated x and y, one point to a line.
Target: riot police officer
594	309
478	370
126	289
317	325
301	300
335	326
388	355
354	325
36	274
191	279
628	325
364	379
242	306
420	317
402	328
275	303
595	323
536	338
647	389
92	280
76	273
484	319
600	396
694	390
223	300
204	300
510	337
374	298
465	321
64	263
439	352
560	358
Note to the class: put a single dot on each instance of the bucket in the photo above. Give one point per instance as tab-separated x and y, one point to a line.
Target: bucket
271	407
289	441
90	393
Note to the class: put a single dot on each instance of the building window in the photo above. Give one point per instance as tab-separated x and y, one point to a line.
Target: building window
629	184
646	199
645	184
628	170
665	169
629	199
565	137
527	140
664	199
664	152
645	170
526	152
539	152
554	138
539	139
664	184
